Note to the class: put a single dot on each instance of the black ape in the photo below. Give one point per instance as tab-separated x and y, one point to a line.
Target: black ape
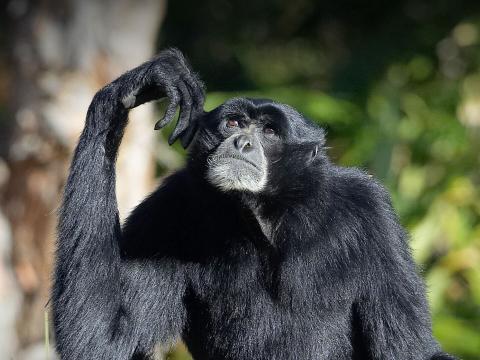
260	248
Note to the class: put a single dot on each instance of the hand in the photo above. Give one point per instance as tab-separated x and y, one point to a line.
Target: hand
167	75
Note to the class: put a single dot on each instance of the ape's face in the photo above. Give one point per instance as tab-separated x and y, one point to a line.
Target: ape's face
244	140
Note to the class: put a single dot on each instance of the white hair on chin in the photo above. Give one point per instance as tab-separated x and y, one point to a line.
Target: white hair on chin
223	174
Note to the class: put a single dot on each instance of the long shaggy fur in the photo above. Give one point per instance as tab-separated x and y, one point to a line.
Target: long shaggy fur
313	266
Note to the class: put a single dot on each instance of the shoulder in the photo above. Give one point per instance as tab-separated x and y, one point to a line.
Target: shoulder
363	208
171	189
360	222
360	206
156	225
161	206
358	190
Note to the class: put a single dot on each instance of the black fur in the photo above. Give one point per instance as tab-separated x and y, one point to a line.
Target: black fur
315	266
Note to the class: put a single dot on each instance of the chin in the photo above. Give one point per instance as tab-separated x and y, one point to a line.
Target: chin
225	176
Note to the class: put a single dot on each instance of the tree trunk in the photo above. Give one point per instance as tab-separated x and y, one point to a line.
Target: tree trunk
62	52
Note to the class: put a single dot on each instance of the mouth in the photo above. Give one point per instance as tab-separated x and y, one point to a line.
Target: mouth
235	172
236	158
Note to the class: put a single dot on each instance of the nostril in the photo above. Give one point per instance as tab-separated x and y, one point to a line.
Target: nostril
247	147
237	144
243	143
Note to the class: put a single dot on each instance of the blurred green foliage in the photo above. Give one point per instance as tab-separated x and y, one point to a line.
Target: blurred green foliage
397	86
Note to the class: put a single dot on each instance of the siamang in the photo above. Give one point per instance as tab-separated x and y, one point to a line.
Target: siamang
260	248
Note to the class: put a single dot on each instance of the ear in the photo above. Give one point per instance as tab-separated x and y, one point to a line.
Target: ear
314	153
316	146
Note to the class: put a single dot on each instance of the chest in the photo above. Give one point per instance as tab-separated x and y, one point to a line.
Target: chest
253	286
254	309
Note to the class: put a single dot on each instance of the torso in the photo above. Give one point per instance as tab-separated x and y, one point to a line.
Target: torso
247	297
246	305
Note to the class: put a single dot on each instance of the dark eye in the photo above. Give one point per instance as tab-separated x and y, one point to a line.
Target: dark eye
232	123
268	130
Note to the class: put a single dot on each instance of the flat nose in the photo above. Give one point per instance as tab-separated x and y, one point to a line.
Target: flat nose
243	143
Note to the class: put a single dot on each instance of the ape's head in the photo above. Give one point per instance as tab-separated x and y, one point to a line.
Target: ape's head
253	145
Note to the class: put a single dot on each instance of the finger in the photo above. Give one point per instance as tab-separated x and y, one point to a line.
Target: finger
171	108
198	92
187	136
185	113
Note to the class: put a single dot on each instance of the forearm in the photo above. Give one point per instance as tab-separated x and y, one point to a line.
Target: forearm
86	288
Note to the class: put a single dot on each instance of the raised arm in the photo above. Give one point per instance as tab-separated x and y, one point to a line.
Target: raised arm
96	295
